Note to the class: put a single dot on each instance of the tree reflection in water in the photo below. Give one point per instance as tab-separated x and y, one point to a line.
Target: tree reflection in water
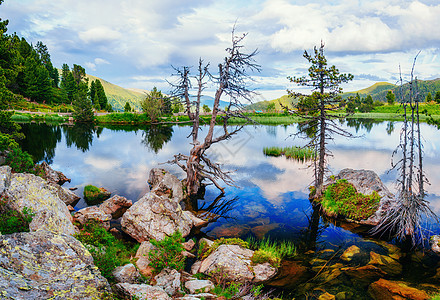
43	142
81	135
156	136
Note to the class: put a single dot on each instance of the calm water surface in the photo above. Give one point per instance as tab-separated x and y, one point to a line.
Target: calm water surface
271	194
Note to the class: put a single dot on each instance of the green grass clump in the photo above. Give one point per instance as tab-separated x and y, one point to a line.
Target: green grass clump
271	251
297	153
223	241
107	251
167	253
228	291
12	221
342	199
94	195
123	118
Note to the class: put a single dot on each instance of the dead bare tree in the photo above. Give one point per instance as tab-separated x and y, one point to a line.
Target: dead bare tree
403	219
231	81
319	125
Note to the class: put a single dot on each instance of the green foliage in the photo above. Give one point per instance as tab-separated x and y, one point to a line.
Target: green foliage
297	153
428	98
206	108
7	142
167	253
390	98
271	106
94	195
19	161
83	107
271	251
437	97
12	221
107	251
342	199
228	291
224	241
153	104
127	107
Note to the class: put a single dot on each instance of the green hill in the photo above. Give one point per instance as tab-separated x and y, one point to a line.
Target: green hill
117	96
376	89
285	100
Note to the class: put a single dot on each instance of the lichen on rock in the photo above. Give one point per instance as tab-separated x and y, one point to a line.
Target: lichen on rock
41	265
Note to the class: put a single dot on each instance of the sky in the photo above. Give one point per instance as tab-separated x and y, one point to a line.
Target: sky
136	43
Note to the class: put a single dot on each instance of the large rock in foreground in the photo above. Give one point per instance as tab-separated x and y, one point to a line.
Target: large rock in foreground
154	217
43	265
366	182
28	190
235	263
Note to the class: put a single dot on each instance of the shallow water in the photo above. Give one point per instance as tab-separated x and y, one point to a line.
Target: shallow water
271	194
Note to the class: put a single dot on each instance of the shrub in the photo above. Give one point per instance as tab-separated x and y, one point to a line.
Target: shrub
107	251
167	253
19	161
12	221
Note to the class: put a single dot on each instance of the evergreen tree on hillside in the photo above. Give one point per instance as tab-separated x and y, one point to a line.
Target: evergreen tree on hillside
101	98
390	98
437	97
92	92
82	106
428	98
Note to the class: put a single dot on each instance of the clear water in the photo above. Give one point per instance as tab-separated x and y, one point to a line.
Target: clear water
271	194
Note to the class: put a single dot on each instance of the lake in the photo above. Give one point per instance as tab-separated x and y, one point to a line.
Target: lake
271	197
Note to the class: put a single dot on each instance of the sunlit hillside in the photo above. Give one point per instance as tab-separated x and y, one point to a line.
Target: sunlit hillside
117	96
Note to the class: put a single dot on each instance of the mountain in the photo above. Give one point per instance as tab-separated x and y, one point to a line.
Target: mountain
117	96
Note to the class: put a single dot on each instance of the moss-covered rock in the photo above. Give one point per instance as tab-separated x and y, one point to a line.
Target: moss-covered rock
94	195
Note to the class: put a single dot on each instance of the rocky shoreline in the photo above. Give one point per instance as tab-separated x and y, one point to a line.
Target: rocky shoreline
49	262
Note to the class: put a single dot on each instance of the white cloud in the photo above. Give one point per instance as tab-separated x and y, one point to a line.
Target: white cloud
99	35
146	37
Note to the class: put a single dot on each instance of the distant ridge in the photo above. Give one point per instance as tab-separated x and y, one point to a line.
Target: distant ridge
378	91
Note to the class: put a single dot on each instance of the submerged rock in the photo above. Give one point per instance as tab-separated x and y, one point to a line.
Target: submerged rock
154	217
43	265
387	289
291	273
385	263
28	190
350	252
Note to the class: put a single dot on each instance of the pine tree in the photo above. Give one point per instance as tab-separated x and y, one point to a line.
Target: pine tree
325	83
82	106
101	98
